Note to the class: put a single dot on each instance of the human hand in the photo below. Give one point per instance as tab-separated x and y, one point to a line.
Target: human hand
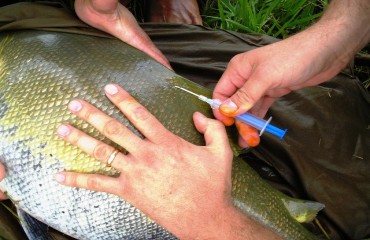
162	175
253	80
175	11
2	175
112	17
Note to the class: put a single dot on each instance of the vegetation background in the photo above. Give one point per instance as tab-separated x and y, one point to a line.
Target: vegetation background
276	18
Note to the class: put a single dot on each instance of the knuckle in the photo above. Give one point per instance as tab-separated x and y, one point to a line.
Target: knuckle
92	183
124	189
71	179
74	138
101	152
113	127
216	123
228	153
140	113
123	101
244	96
86	113
235	60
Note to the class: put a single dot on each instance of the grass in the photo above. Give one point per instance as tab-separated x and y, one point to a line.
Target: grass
277	18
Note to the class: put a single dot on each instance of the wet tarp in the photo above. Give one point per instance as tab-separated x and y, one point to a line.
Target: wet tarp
325	155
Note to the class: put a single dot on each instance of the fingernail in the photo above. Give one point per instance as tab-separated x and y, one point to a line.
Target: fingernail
201	116
60	177
63	131
75	106
228	107
111	89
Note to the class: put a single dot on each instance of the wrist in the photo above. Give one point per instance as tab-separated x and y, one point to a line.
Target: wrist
326	47
231	223
344	29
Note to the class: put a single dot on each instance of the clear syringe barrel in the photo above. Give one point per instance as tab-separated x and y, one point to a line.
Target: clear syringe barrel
261	124
249	119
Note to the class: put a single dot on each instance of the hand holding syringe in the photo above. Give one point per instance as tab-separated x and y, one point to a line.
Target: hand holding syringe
258	123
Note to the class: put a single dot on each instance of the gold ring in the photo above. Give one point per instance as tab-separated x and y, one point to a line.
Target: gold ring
112	157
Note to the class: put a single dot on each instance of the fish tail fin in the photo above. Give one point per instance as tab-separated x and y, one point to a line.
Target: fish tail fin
302	211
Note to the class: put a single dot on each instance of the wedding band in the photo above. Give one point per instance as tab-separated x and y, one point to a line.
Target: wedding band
112	157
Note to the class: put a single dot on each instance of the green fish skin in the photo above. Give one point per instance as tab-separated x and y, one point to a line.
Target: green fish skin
40	72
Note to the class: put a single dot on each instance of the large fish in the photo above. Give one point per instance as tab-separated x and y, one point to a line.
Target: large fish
40	72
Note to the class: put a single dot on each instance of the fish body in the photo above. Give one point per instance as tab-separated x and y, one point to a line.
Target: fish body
40	72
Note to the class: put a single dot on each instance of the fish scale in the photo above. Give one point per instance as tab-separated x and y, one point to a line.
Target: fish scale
40	72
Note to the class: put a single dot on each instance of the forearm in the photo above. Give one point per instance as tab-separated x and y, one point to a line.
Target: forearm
241	227
343	29
330	44
352	18
228	224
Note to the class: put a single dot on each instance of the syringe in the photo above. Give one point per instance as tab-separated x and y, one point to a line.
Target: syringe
256	122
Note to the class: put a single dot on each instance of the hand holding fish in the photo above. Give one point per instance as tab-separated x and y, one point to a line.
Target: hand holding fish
2	175
175	11
112	17
183	187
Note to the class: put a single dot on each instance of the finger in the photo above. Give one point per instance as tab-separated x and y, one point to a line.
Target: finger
108	126
2	196
138	115
114	18
97	149
231	81
249	134
241	84
227	121
2	175
263	106
256	108
214	131
2	172
131	33
233	78
242	143
104	6
248	95
94	182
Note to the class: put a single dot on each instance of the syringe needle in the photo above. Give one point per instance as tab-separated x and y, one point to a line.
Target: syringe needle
187	91
214	103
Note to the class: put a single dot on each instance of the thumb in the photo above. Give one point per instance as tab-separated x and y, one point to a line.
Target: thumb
2	172
2	175
104	6
241	85
245	97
